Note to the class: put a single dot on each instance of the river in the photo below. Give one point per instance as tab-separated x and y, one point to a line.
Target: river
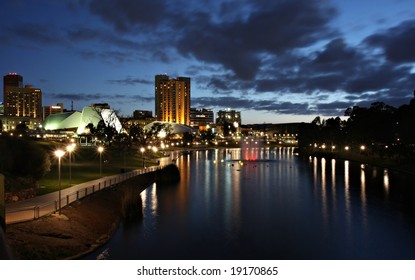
269	203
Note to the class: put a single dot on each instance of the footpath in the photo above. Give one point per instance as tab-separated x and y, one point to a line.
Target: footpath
40	206
82	227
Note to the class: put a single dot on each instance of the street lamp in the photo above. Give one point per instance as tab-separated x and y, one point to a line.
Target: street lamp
100	150
362	148
59	154
70	148
142	149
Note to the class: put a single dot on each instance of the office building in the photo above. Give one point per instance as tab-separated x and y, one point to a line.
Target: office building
12	80
229	117
21	101
201	117
172	99
141	114
52	109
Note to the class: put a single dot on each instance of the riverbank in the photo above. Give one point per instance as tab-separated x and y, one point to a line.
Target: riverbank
82	228
394	164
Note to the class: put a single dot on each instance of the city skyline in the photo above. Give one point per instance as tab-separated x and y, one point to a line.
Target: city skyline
277	62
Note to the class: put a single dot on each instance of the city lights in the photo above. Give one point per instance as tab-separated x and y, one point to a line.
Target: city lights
59	154
142	150
100	150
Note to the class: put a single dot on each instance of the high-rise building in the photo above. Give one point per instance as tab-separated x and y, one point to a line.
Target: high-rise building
172	99
21	101
13	80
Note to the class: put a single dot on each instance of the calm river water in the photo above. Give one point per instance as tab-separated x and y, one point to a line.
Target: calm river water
259	203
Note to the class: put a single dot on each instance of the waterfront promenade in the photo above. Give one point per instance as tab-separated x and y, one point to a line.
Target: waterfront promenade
39	206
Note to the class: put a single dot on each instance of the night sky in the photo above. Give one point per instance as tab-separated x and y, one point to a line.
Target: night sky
276	61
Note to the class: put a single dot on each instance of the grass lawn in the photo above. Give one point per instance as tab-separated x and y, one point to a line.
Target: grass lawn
85	166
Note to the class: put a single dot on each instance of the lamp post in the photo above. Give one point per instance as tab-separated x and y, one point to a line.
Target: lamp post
142	154
100	150
59	154
70	148
362	149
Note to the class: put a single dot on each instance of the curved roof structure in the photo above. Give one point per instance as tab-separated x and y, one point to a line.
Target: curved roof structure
63	121
79	120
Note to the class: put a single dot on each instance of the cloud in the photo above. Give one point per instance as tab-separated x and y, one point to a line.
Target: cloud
397	43
270	29
39	33
76	96
246	54
336	108
233	34
131	81
126	14
100	97
250	104
111	56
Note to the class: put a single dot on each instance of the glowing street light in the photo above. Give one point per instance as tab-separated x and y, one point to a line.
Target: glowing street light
59	154
70	148
142	150
362	148
100	150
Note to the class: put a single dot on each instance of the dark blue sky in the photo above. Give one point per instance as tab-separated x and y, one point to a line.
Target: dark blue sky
276	61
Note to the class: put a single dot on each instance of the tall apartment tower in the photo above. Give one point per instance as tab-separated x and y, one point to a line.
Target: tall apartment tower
172	99
21	101
12	80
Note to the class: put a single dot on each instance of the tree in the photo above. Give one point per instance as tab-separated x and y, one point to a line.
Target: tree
188	138
23	160
228	128
137	135
207	135
376	124
89	128
157	132
106	130
21	129
153	135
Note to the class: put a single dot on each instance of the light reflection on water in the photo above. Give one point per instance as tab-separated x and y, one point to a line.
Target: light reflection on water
261	203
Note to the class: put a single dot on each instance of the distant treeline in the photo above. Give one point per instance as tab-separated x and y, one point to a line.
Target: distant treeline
381	130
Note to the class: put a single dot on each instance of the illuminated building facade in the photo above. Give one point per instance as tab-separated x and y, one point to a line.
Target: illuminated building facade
21	101
229	117
52	109
201	117
172	99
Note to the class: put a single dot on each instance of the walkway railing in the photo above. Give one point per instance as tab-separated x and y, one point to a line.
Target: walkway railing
39	207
